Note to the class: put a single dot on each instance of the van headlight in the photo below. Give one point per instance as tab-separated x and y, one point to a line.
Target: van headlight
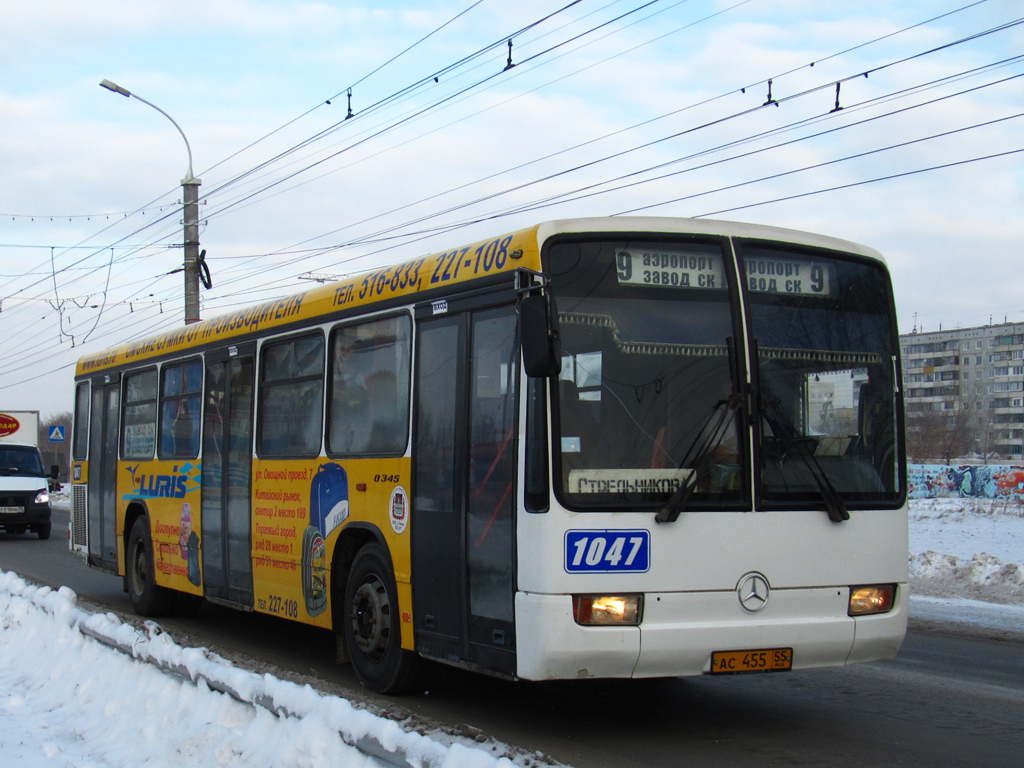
43	497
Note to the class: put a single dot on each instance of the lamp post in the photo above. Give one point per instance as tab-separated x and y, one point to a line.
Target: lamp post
190	198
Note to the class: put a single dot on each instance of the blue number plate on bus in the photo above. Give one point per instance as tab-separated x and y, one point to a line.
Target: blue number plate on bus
608	551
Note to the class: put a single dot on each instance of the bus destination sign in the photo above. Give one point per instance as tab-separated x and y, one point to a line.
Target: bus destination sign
664	268
788	276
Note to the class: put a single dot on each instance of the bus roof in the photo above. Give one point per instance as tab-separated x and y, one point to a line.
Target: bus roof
416	278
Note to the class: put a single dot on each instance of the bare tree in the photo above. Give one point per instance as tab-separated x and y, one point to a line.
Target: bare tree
944	435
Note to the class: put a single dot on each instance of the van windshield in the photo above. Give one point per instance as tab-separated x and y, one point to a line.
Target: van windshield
20	460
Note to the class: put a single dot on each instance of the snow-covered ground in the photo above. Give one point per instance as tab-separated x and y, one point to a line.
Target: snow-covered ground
68	700
981	542
967	563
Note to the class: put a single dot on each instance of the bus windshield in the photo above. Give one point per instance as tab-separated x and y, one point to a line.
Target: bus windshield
644	401
648	413
826	361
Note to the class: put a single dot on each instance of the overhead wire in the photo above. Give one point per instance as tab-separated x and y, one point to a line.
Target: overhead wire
393	96
544	18
851	185
825	86
565	7
377	235
111	260
849	49
843	186
592	190
401	121
519	70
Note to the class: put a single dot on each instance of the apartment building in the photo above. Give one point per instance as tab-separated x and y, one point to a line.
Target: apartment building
975	376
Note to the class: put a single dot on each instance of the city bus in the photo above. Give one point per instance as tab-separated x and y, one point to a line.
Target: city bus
591	448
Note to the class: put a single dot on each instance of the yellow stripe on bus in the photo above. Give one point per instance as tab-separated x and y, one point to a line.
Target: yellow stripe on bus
505	253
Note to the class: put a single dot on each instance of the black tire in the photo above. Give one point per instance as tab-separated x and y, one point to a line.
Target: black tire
372	626
44	531
147	598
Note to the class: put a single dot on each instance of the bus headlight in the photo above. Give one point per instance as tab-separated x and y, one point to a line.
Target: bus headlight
607	610
873	598
43	497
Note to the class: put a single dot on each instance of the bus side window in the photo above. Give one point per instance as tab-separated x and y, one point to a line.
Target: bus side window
291	397
179	409
139	424
368	406
80	441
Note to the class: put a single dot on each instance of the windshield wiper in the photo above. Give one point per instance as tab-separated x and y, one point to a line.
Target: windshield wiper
786	432
705	442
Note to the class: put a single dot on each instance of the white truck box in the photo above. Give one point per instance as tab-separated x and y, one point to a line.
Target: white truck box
20	427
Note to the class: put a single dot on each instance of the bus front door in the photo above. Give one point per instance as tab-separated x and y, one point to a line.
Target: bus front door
463	522
102	497
226	475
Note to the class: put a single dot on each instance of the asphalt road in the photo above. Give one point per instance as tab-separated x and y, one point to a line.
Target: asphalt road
945	701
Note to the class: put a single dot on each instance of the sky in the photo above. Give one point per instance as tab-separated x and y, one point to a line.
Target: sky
694	108
63	694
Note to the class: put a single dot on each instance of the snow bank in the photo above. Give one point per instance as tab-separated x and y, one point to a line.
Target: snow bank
968	548
68	700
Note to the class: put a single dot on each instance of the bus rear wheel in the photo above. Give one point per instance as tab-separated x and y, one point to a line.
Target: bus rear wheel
372	626
148	599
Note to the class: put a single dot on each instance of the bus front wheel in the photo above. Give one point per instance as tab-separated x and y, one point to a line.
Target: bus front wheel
148	599
373	626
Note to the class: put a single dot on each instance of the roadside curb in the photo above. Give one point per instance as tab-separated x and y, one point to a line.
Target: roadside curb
151	645
139	650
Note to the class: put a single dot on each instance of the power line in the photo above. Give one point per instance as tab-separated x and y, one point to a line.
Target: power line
393	96
408	237
567	195
826	86
875	180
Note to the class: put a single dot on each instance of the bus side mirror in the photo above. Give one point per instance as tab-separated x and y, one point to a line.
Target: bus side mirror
538	327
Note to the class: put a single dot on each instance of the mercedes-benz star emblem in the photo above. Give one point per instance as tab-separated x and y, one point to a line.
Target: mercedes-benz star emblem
753	591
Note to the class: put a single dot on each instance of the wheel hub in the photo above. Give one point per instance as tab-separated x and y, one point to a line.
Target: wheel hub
370	616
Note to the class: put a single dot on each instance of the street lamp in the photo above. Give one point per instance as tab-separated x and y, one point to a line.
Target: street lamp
190	196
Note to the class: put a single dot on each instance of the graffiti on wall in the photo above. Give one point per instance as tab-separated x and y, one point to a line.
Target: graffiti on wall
987	481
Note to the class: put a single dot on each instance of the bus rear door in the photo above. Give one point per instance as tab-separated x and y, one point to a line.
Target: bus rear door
227	472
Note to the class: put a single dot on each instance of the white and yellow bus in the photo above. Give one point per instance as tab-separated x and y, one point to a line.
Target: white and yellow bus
615	447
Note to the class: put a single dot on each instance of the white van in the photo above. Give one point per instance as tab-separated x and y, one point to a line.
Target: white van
24	484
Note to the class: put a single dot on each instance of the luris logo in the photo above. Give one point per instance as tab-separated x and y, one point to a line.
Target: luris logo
173	486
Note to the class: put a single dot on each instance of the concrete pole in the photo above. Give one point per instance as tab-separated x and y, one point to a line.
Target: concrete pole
190	195
190	200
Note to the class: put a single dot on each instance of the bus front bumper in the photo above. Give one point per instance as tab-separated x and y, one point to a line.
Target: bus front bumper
679	633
